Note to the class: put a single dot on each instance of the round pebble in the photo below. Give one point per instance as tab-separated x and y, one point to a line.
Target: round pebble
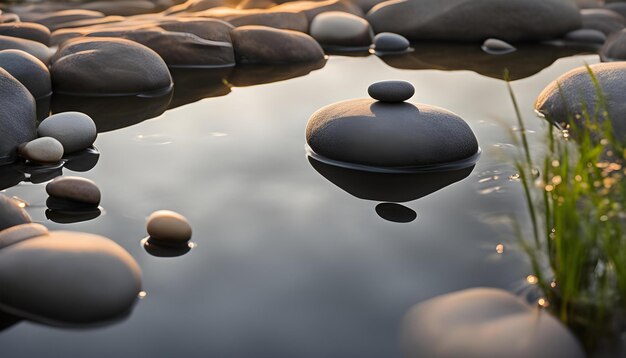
389	42
391	91
168	227
74	189
42	150
497	47
75	130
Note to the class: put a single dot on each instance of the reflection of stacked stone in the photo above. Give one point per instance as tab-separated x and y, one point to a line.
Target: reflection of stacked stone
61	277
386	149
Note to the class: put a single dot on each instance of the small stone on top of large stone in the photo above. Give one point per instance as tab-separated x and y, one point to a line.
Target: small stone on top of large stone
391	91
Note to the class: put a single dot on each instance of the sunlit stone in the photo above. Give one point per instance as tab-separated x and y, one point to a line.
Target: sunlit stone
168	227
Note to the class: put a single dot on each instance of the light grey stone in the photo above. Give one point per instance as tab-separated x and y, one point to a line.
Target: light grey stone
75	130
42	150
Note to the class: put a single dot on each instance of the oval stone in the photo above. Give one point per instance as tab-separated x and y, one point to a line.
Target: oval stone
168	227
19	233
390	42
11	214
17	117
497	47
42	150
390	135
37	49
485	322
68	277
338	28
76	189
391	91
75	130
29	70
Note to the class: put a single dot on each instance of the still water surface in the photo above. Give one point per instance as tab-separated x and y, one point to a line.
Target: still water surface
287	264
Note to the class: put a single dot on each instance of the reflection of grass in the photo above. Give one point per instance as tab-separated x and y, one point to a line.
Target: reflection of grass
575	196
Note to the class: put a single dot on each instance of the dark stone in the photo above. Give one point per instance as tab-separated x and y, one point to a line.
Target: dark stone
11	214
586	36
471	20
27	69
82	161
26	30
17	117
614	48
121	7
56	20
159	250
37	49
107	66
395	213
390	135
240	17
386	42
73	216
618	7
71	192
266	45
391	91
256	74
604	20
564	98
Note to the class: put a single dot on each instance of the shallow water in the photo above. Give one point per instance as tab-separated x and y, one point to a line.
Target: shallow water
287	264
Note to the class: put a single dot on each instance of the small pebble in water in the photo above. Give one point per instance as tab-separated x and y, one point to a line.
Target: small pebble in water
500	248
168	227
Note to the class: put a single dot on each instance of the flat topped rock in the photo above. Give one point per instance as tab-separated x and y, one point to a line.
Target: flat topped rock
390	135
485	322
391	91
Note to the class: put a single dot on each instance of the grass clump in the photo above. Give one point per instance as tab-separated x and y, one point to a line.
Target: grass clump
575	195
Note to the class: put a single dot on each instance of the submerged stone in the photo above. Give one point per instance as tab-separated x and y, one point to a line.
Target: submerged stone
29	70
335	28
391	91
75	189
565	98
168	227
396	136
42	150
388	42
497	47
485	322
75	130
17	117
109	66
67	277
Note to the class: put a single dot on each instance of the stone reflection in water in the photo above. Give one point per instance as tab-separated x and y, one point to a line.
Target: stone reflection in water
62	277
194	84
389	187
157	249
251	75
525	62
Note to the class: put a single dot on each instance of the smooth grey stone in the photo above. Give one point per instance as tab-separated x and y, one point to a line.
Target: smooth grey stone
26	30
121	7
68	278
588	36
42	150
75	130
604	20
485	322
390	42
108	66
335	28
37	49
497	47
11	213
58	19
266	45
391	91
618	7
565	97
19	233
471	20
165	226
614	48
75	189
17	117
284	20
397	135
29	70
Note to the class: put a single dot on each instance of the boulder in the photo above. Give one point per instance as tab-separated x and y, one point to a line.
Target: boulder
17	117
26	30
335	28
27	69
266	45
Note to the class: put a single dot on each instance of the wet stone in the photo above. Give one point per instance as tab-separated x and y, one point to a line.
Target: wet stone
391	91
17	117
29	70
76	131
387	42
168	227
75	189
588	36
335	28
42	150
11	213
497	47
